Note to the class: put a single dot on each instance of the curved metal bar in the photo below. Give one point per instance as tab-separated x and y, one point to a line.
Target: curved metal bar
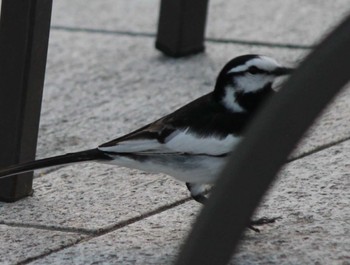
270	139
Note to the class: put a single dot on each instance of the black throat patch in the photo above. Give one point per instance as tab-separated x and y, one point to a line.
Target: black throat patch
251	101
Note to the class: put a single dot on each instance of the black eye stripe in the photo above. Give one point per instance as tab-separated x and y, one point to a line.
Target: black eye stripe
252	70
255	70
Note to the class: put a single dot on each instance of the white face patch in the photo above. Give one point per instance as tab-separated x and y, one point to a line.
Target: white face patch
229	100
250	83
262	62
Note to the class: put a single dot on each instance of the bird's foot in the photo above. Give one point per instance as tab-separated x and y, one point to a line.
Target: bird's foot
262	221
198	192
200	198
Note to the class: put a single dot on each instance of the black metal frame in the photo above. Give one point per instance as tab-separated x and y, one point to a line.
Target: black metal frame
24	34
181	27
270	139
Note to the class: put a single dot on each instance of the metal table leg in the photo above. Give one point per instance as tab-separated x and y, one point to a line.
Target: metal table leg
24	34
181	27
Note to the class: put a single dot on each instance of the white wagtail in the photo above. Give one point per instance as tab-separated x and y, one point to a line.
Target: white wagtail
192	143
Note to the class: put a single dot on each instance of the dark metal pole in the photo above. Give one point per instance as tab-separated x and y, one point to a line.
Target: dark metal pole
270	139
24	34
181	27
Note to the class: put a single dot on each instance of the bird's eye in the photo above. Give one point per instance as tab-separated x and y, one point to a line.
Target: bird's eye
253	70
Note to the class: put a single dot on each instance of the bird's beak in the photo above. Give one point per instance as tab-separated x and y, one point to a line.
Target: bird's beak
281	74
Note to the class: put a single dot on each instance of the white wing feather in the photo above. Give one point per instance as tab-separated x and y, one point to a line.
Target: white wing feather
177	142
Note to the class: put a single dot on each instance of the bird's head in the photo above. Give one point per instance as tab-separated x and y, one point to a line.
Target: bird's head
246	81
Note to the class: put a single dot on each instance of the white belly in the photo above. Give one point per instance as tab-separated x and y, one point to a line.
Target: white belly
187	168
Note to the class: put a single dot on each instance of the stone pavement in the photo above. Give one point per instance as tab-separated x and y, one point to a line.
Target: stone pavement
104	78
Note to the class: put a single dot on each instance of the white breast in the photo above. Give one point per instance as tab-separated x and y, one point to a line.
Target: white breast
187	142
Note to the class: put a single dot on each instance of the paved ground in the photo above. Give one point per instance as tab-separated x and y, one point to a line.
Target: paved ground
104	78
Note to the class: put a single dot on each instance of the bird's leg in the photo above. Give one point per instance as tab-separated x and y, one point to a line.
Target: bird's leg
262	221
265	220
197	193
200	198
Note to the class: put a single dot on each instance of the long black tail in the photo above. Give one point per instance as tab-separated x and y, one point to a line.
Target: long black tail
87	155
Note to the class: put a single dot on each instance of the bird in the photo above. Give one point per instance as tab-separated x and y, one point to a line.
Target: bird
190	144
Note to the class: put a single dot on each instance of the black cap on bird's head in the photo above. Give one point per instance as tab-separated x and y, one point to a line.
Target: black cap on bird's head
247	80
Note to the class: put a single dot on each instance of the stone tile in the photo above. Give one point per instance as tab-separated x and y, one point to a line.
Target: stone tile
92	197
121	83
95	93
75	71
100	86
295	22
311	195
18	243
154	240
332	126
138	16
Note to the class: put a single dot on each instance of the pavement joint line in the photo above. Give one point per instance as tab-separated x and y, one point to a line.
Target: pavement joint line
262	43
318	149
49	252
133	220
104	31
101	230
104	231
48	228
212	40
